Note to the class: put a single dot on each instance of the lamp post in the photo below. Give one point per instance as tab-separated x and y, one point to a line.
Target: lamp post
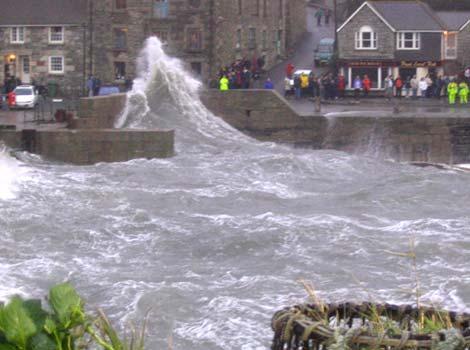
335	47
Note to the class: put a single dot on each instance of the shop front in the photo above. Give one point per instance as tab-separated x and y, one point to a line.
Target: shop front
377	71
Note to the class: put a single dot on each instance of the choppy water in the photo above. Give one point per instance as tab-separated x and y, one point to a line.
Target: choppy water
215	239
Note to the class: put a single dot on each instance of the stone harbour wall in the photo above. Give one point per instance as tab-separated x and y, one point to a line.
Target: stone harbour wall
267	116
99	112
84	147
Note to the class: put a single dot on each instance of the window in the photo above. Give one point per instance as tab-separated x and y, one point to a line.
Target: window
366	39
240	7
408	41
281	8
120	70
450	41
56	35
256	9
162	35
56	64
196	67
238	45
160	8
120	4
264	40
120	39
252	38
17	35
194	39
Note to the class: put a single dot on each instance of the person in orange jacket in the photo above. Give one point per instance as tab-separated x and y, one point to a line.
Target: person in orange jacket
366	85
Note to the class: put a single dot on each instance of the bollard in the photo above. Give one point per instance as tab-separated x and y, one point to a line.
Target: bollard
317	104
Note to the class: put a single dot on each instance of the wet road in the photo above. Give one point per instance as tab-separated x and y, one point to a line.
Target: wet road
303	56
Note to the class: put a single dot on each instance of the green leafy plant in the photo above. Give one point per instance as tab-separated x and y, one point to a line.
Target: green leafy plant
64	325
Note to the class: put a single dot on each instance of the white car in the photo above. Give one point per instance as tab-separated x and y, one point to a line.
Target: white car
25	96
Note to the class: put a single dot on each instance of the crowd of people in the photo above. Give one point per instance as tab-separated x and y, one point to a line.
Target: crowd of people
246	74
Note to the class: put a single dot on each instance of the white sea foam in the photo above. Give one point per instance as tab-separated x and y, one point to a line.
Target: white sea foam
9	173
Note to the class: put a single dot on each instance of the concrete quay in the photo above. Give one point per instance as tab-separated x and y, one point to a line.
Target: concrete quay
88	138
434	135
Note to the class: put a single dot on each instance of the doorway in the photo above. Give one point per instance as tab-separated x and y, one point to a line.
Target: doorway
25	69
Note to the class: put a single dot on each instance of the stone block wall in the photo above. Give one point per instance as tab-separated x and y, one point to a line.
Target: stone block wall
83	147
99	112
266	116
11	138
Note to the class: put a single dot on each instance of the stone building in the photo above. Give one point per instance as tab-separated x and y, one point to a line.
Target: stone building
44	42
64	41
206	34
403	38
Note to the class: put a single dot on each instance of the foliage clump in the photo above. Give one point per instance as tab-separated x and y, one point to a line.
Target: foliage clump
63	325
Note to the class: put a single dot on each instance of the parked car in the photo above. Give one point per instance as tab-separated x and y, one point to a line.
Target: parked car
324	51
25	96
108	90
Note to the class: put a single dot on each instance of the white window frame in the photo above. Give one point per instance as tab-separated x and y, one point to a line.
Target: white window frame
56	41
15	37
359	39
446	46
416	40
56	71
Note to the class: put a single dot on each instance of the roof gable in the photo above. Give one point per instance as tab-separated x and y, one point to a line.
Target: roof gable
455	20
42	12
373	10
409	15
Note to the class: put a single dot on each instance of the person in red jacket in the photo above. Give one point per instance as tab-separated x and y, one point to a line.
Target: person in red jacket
341	85
398	86
366	84
289	70
11	99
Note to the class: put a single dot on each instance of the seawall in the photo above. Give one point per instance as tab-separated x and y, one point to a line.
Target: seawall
267	116
90	137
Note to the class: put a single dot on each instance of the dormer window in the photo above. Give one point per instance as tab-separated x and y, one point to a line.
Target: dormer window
366	39
408	41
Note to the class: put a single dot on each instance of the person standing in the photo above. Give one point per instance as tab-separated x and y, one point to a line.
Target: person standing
327	17
357	85
224	83
452	90
414	86
398	87
289	70
407	87
319	15
304	84
463	92
297	88
423	87
388	83
367	85
287	87
268	84
341	85
90	85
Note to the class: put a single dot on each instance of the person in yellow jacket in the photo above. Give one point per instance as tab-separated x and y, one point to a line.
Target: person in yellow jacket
304	81
223	83
452	90
463	92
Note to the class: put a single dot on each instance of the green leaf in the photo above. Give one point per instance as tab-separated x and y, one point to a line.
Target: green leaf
16	324
4	346
42	342
107	329
34	309
67	305
50	326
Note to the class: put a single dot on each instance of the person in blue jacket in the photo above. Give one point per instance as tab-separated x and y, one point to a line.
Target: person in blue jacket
268	84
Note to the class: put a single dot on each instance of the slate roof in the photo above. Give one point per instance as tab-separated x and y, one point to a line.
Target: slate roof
42	12
408	15
454	20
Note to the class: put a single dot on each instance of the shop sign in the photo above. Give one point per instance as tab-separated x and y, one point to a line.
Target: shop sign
373	64
419	64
